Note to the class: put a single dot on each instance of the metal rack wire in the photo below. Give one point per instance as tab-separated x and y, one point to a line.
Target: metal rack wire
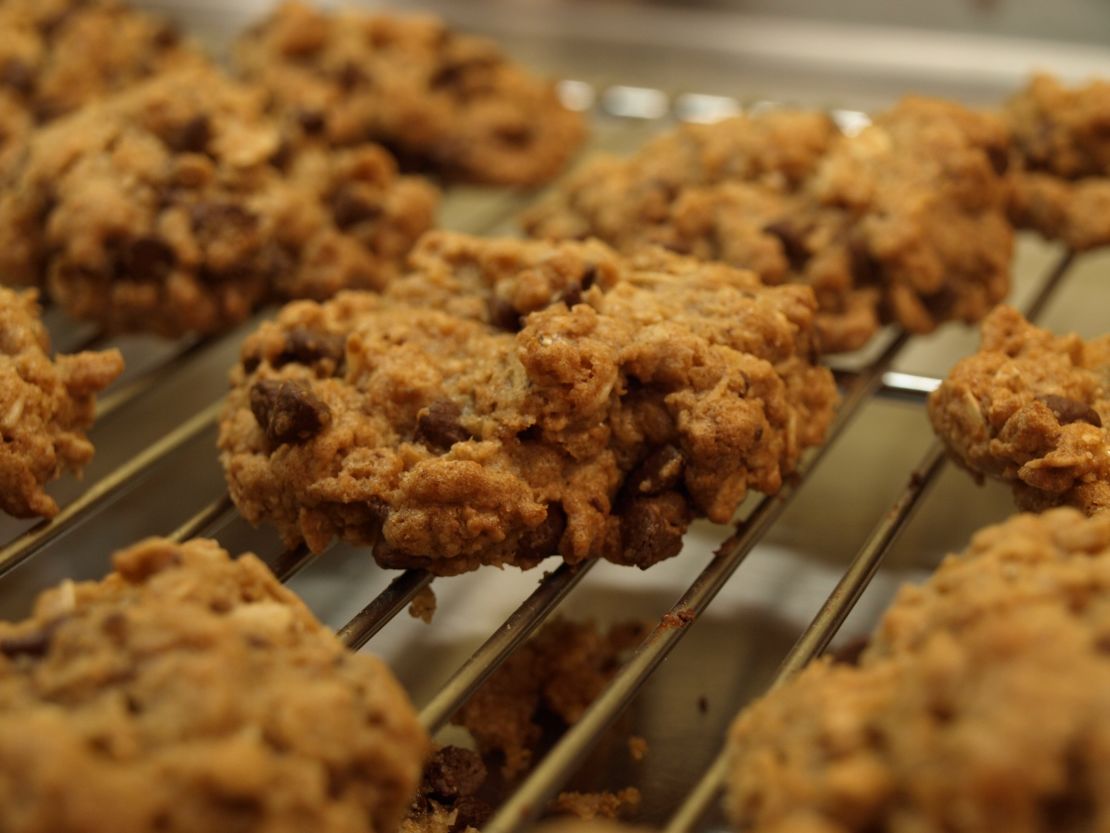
859	387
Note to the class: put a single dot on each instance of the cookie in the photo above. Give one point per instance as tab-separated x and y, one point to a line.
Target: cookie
57	55
443	102
45	406
188	691
1061	184
507	400
983	702
1032	409
904	222
177	207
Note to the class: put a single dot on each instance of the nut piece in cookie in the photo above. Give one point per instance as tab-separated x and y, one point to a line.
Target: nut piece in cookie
904	222
177	207
981	704
57	55
506	401
1032	409
188	691
1060	185
444	102
45	406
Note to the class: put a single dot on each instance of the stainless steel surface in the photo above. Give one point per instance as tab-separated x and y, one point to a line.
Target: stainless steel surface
637	67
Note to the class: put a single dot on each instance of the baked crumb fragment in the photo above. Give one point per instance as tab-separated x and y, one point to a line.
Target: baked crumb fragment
444	102
1032	409
45	406
506	401
188	691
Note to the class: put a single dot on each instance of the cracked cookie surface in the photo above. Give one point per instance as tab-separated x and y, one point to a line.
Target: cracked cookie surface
188	691
56	55
45	406
177	207
507	400
442	101
1061	185
981	703
903	222
1032	409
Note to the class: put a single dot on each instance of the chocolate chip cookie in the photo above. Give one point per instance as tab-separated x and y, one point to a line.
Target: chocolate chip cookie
1061	184
904	222
1032	409
507	400
982	703
56	55
443	102
188	691
45	406
177	207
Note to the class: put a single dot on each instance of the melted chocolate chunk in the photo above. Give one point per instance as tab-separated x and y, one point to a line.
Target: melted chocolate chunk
793	242
453	772
305	346
543	541
148	258
33	644
1069	410
438	425
287	411
652	528
193	136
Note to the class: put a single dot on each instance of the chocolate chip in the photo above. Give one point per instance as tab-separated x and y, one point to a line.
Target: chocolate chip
793	242
305	346
659	472
999	158
543	541
288	411
652	528
18	76
312	121
504	315
351	76
193	136
33	644
572	295
867	270
589	278
438	425
1069	410
470	813
148	258
166	36
349	207
251	363
453	772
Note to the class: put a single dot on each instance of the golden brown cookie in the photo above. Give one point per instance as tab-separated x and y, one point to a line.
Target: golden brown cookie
57	55
188	691
506	401
904	222
1032	409
982	704
444	102
45	406
1061	184
178	207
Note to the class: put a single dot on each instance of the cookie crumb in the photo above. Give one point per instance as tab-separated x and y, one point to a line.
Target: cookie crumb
637	748
605	805
423	606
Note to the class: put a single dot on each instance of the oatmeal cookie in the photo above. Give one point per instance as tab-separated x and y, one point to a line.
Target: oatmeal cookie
188	691
982	704
1061	184
442	101
177	207
904	222
1032	409
509	400
45	406
57	55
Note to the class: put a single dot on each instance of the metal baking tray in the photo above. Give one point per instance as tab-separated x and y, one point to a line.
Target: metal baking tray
637	68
